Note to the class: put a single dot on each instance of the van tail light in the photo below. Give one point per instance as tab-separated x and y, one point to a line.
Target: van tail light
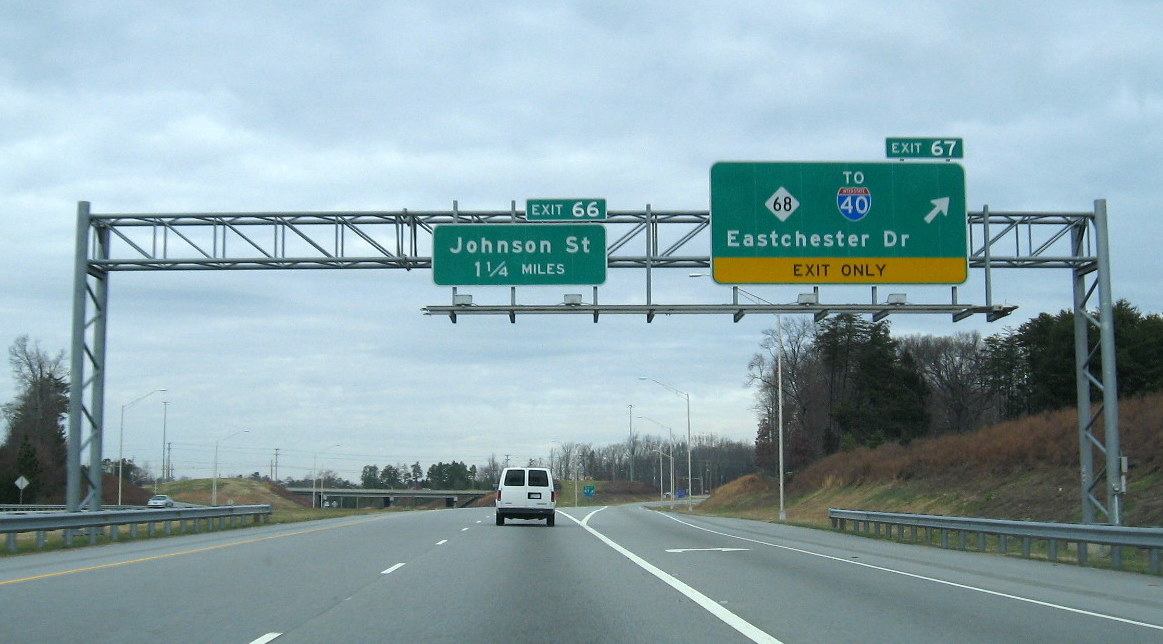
553	496
498	494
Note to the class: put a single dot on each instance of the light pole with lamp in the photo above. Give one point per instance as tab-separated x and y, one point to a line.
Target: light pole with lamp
660	455
165	415
687	396
671	457
214	484
778	387
121	441
315	473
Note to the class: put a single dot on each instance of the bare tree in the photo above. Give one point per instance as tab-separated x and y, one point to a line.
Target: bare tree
954	369
804	392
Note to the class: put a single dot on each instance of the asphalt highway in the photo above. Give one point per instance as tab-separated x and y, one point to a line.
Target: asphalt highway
616	574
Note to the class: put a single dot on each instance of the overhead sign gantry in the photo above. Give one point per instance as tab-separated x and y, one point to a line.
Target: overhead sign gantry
115	242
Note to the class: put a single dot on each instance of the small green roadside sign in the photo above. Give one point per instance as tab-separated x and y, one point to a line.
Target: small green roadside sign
565	209
589	490
923	148
518	254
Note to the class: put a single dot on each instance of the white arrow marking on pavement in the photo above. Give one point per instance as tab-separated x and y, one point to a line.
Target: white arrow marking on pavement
940	207
705	549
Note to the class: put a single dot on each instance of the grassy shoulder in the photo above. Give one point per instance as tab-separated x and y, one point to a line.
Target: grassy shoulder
1025	470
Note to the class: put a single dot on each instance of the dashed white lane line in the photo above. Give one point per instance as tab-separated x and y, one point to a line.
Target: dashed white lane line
945	582
442	542
392	569
746	628
269	637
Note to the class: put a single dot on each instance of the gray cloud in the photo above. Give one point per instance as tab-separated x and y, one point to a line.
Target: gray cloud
164	107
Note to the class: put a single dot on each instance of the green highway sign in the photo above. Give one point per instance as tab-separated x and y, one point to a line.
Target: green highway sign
838	223
565	209
518	254
914	148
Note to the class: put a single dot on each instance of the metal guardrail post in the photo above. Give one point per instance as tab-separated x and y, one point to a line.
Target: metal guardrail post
1058	536
73	524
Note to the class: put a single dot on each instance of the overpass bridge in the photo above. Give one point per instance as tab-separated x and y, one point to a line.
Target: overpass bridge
385	498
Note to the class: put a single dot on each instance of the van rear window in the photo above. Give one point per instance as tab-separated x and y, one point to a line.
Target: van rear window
539	478
515	477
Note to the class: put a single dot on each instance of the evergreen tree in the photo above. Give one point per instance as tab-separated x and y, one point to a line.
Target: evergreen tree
369	478
36	415
28	466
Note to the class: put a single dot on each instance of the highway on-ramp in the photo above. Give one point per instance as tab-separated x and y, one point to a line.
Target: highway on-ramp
616	574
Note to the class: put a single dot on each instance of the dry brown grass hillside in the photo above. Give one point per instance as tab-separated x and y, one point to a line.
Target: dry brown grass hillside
1026	469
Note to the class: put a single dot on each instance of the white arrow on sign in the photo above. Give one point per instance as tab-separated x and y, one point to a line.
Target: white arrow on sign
705	549
940	207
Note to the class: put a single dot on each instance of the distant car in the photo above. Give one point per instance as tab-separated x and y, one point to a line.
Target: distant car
160	501
526	493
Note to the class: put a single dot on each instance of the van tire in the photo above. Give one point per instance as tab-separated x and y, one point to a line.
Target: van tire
500	519
549	521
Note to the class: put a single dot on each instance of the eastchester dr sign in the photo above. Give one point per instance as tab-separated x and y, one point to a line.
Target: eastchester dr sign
838	223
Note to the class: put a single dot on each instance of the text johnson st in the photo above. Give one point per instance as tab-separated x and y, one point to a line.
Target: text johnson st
485	246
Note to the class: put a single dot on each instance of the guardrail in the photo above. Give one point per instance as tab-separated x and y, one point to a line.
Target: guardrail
30	507
42	507
1054	534
90	523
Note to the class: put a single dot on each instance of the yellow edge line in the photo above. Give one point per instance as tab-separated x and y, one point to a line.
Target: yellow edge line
183	552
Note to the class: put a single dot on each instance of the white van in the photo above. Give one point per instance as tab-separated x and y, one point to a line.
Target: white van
526	493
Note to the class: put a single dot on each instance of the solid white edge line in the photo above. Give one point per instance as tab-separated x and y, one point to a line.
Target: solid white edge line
995	593
392	569
269	637
746	628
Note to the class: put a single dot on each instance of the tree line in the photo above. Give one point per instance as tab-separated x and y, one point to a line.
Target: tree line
643	459
646	459
847	382
34	446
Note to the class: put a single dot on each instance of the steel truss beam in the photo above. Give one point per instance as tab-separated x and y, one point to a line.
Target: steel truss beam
108	243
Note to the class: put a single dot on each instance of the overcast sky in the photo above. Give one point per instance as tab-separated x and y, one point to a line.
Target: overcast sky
265	106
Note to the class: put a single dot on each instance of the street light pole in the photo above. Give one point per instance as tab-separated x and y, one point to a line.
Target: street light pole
121	441
670	456
689	446
779	396
214	484
315	473
165	414
779	387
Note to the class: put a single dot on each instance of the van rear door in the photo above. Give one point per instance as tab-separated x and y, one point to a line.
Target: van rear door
540	492
523	488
